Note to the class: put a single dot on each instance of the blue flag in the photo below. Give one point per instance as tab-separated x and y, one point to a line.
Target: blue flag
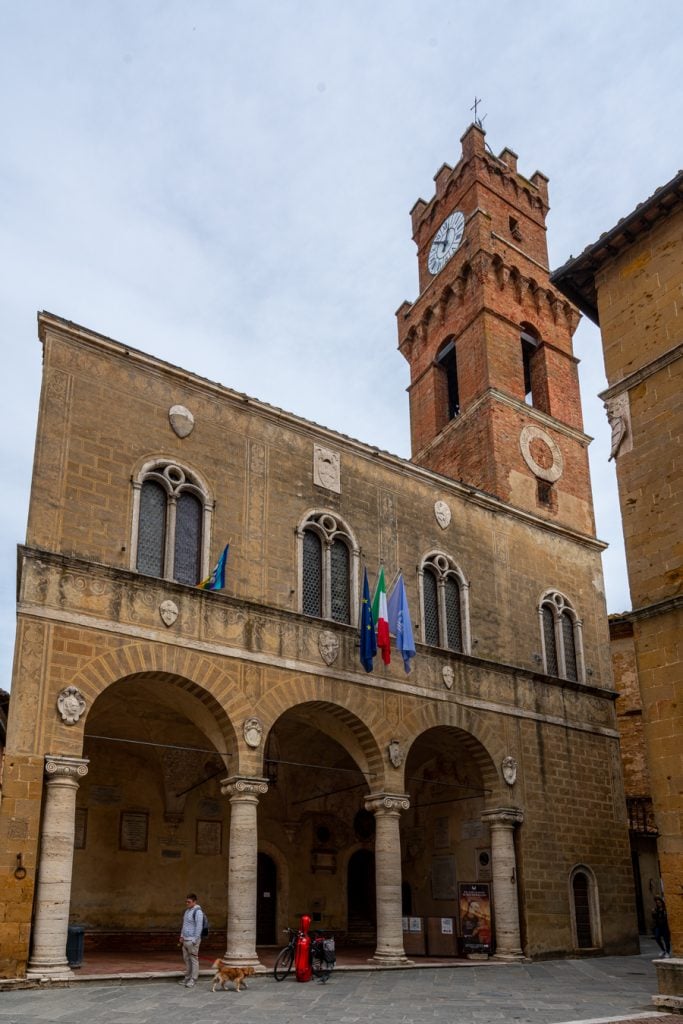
216	581
399	622
368	640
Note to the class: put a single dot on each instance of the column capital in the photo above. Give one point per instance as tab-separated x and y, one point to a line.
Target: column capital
59	766
503	817
241	787
387	803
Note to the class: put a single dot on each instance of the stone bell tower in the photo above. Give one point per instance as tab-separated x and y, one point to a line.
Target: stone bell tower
494	389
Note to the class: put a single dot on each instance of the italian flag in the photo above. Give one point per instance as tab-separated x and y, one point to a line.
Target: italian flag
381	617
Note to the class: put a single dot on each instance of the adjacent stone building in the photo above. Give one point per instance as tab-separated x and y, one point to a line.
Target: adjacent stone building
630	283
164	738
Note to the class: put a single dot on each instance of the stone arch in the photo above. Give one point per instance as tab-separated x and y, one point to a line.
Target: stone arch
479	738
344	723
190	673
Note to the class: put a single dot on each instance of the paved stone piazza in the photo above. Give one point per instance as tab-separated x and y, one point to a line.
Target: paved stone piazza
554	992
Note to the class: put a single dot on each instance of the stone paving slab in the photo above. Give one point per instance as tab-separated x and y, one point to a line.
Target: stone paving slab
552	992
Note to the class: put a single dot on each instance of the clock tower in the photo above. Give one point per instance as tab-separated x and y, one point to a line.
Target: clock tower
494	389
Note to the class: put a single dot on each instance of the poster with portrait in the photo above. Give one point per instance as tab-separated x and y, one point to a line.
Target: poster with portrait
474	904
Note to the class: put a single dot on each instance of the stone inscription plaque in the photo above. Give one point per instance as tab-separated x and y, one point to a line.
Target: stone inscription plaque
133	831
209	837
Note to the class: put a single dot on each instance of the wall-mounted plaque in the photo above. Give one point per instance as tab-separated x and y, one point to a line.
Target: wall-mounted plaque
133	831
443	878
81	828
209	835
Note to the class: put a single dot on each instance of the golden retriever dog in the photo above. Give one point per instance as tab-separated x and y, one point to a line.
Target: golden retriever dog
224	974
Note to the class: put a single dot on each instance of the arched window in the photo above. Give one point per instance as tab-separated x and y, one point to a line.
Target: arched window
561	639
445	603
171	516
328	568
584	909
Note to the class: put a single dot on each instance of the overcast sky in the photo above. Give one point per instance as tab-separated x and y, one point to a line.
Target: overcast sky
227	185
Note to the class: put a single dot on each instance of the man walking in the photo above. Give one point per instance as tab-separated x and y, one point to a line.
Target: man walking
190	937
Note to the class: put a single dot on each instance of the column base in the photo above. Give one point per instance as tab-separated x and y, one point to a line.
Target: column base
241	960
390	959
509	957
35	971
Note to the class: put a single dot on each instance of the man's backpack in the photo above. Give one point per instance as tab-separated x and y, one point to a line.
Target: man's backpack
205	924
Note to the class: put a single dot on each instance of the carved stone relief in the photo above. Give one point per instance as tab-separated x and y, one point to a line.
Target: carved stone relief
442	512
253	731
169	612
509	770
541	453
619	418
328	645
181	419
447	675
71	705
395	753
326	469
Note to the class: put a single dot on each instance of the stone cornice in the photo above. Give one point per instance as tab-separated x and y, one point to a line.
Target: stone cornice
638	376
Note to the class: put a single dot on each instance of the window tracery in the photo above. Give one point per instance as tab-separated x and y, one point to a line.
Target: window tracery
561	637
445	603
328	568
171	523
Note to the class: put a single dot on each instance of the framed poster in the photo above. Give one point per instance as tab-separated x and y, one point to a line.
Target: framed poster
443	878
209	834
474	905
133	831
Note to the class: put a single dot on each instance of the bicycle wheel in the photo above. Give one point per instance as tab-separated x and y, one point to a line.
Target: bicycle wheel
320	967
283	964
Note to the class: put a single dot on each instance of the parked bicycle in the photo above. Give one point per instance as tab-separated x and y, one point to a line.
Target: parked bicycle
322	954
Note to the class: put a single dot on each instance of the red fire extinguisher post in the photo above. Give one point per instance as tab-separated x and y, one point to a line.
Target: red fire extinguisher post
302	953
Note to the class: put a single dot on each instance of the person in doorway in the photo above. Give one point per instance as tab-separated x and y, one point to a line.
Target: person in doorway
190	937
661	931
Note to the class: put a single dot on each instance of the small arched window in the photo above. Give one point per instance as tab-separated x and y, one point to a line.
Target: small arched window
171	511
445	603
561	638
328	573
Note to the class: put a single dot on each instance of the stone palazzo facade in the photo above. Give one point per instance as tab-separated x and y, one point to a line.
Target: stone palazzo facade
164	738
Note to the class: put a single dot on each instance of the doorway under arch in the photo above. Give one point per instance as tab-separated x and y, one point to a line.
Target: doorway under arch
266	900
361	900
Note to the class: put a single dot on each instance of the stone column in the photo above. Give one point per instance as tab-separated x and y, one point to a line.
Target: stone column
502	821
387	809
53	890
241	941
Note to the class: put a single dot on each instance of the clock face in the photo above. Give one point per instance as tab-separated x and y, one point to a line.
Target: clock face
446	242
